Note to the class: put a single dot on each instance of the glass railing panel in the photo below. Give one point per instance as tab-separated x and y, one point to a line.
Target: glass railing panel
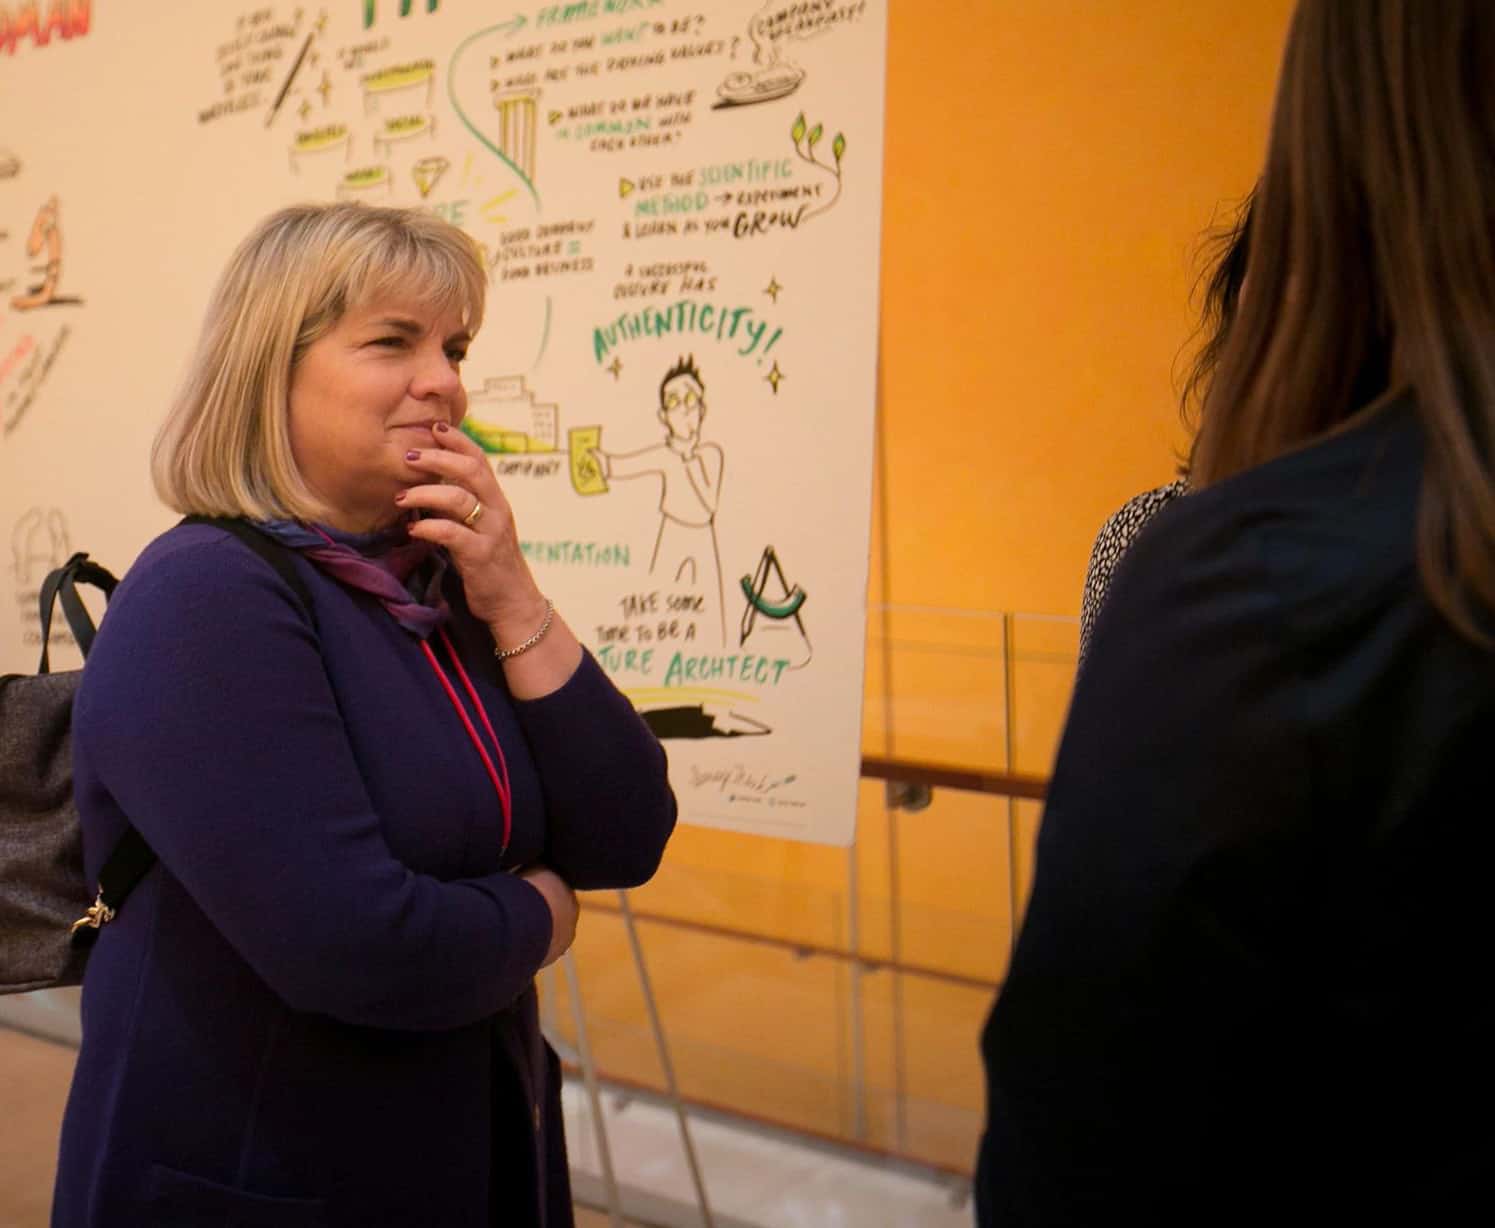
1043	652
755	1029
947	909
925	1082
936	681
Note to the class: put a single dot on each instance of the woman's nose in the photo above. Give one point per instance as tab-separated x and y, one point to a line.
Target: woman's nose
437	375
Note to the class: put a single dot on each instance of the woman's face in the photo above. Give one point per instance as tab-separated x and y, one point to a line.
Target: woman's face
367	392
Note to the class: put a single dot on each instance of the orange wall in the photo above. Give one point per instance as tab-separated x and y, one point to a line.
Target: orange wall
1050	166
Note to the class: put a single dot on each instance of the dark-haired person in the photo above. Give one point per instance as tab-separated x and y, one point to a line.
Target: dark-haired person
370	812
1221	294
1250	987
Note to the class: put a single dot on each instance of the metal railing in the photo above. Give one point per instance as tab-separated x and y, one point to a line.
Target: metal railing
1008	651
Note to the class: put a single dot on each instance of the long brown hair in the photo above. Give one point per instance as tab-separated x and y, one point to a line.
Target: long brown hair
1372	267
1219	289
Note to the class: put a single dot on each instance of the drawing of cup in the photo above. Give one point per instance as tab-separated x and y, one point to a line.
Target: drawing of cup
365	181
325	139
396	79
404	128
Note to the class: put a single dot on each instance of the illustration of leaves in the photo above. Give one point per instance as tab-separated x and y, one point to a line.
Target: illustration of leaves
798	131
815	134
838	146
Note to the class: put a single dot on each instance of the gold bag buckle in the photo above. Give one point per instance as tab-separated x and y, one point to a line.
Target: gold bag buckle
99	914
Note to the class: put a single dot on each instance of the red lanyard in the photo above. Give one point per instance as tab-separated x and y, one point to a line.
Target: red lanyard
499	776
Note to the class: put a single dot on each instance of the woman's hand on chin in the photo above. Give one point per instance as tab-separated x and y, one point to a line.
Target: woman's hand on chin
467	513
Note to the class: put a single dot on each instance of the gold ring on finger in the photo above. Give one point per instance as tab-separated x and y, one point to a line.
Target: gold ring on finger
472	517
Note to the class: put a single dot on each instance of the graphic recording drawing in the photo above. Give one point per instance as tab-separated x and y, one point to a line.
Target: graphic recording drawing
773	289
403	128
775	377
694	712
427	173
503	418
518	113
773	78
690	473
38	543
586	470
286	84
509	29
399	81
784	604
329	138
370	10
365	182
69	18
696	721
801	134
492	213
10	165
45	239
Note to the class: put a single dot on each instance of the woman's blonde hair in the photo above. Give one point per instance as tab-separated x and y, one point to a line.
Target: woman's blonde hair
224	448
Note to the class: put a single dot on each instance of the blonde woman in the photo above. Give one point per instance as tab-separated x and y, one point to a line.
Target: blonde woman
369	809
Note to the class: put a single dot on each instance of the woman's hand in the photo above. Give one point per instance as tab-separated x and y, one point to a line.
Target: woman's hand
564	909
468	513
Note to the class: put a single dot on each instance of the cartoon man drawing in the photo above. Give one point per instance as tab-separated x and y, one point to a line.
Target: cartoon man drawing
690	474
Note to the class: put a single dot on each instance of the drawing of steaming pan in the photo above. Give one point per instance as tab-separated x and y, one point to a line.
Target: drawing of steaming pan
397	80
327	139
403	128
742	89
366	181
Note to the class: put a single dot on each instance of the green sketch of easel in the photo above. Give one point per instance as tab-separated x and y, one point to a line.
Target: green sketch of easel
779	608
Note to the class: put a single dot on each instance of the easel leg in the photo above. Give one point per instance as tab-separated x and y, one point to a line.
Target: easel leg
594	1095
664	1058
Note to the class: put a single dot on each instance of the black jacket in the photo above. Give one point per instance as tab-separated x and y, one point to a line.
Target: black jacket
1254	976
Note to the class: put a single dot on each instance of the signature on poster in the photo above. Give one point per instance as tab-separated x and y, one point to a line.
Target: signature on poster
739	783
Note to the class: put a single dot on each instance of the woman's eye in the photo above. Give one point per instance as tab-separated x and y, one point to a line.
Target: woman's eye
456	354
391	342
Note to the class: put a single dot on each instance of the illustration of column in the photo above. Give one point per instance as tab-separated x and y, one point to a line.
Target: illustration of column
518	113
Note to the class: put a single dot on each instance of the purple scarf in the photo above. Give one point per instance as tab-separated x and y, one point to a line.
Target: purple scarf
388	565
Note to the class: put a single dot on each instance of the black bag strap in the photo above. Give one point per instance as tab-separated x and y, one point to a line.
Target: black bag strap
276	555
132	856
62	582
126	866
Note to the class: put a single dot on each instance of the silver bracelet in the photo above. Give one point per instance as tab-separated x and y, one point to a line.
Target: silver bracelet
503	654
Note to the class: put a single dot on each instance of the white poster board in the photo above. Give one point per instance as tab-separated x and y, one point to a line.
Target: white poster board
679	207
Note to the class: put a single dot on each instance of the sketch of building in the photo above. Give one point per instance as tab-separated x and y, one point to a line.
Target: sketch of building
503	416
